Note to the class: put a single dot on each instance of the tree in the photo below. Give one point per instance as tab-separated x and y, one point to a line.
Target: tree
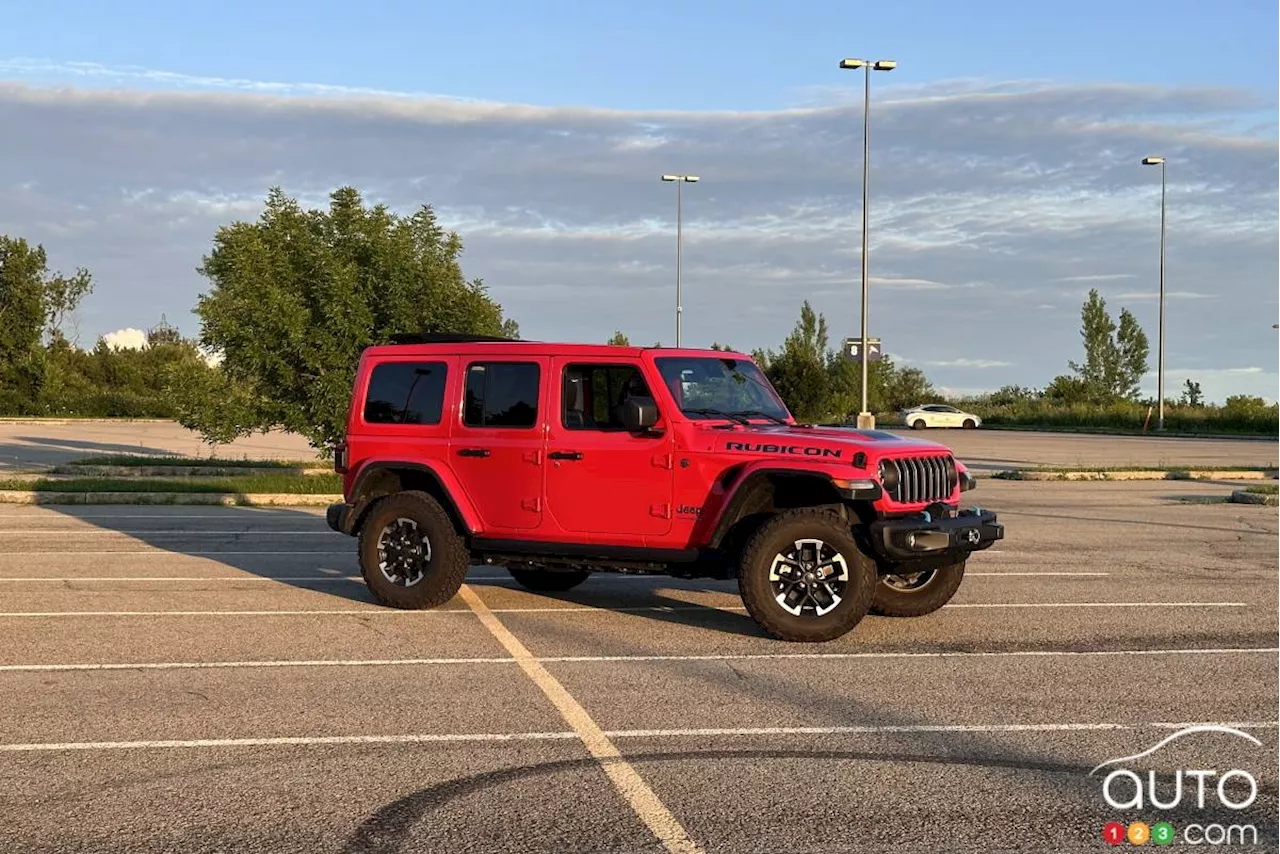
1191	394
619	340
297	295
1114	360
721	347
1132	349
32	303
62	295
22	302
799	371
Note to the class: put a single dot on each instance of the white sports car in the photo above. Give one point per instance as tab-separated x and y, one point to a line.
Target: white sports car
938	415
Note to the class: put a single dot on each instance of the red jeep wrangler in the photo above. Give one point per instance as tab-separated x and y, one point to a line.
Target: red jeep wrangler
557	460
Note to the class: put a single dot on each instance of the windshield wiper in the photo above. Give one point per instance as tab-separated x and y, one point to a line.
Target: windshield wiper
732	416
758	413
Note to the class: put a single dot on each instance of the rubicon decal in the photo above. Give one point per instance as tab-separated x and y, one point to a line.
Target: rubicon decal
796	450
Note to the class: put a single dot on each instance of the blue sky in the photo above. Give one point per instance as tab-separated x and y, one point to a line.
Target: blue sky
1005	148
658	54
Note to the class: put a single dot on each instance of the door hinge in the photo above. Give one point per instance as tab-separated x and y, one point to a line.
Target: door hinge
662	511
532	504
534	457
662	461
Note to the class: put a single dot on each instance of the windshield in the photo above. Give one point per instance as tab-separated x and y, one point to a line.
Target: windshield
708	388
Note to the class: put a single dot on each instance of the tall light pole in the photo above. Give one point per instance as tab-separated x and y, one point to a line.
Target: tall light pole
680	181
865	418
1159	161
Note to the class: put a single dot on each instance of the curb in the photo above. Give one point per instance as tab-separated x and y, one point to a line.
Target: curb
260	499
1183	474
1239	496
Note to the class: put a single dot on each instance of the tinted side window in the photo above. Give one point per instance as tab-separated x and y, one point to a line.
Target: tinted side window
405	393
501	394
592	394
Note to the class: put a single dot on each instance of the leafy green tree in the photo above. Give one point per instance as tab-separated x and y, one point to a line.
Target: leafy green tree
1132	349
32	302
298	294
1115	360
1191	393
799	370
618	339
1099	370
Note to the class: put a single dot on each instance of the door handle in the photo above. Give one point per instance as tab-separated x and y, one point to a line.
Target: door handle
474	452
564	455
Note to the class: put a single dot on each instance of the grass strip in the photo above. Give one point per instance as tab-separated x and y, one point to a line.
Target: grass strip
1264	489
294	484
216	462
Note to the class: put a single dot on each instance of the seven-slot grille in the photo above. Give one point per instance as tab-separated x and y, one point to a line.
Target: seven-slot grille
920	478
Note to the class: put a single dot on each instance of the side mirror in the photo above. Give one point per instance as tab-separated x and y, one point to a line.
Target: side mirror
638	414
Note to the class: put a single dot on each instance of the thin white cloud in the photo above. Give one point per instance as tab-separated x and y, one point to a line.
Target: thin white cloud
981	364
1155	295
1102	277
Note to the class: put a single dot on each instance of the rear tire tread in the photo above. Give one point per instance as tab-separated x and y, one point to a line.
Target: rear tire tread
447	569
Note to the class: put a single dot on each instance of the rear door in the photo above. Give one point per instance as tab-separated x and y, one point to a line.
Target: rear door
601	479
496	448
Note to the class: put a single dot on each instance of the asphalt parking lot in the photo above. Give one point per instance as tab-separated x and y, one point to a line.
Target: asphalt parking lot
217	679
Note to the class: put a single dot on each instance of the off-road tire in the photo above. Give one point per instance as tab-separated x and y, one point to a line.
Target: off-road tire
548	580
918	424
891	601
443	572
771	539
969	424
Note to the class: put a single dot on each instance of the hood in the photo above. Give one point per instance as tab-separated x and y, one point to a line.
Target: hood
875	443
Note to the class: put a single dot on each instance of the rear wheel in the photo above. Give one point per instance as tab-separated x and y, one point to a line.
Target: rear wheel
803	578
918	424
410	555
914	594
542	580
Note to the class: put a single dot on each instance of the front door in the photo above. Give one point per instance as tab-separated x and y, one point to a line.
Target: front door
496	449
601	479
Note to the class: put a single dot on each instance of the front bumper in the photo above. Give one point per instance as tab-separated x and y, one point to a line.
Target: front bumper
339	516
943	534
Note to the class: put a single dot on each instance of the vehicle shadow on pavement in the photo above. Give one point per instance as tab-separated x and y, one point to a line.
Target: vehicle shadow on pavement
295	548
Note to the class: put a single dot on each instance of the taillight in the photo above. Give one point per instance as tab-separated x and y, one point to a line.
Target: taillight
340	458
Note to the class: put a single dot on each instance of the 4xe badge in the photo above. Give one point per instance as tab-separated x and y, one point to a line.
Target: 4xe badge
1212	795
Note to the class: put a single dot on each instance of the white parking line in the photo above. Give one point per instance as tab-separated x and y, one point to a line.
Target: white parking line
131	578
431	738
388	612
634	790
160	552
300	740
183	532
585	659
659	578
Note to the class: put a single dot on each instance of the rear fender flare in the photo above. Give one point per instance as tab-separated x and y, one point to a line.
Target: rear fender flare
449	490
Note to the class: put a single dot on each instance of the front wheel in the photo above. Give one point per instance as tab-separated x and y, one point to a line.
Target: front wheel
803	578
969	424
918	424
914	594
